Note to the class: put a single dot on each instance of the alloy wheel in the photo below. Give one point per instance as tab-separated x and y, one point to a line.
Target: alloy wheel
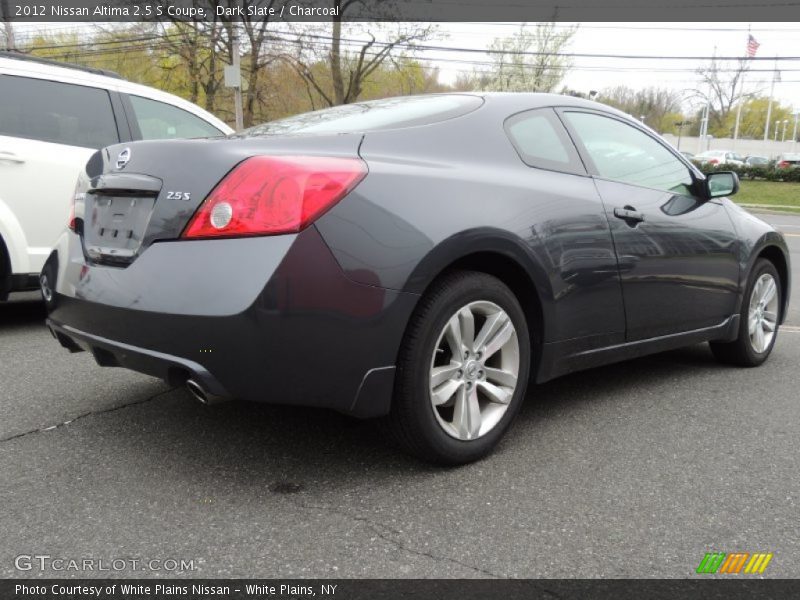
474	370
763	314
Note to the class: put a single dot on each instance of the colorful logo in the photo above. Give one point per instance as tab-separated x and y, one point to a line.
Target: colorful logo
733	563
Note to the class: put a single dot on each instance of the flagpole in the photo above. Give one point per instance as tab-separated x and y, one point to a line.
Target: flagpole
741	94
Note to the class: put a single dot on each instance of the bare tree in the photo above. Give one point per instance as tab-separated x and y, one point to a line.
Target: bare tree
343	81
720	88
202	48
652	103
8	28
258	55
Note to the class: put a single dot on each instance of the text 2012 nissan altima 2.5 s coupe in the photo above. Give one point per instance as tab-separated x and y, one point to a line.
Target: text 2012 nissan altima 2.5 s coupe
417	259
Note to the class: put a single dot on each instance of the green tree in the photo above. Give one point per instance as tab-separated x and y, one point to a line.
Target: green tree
754	115
531	60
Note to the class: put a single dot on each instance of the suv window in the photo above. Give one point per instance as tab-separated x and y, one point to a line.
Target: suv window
61	113
159	121
541	141
624	153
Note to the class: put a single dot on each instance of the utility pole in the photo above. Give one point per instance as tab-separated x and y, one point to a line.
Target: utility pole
238	89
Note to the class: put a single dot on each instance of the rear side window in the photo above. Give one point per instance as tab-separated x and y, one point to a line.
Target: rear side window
61	113
391	113
161	121
541	141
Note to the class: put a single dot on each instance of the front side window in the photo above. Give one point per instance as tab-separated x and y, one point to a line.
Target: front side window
160	121
60	113
621	152
540	140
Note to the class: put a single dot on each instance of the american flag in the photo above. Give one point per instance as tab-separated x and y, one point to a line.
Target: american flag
752	46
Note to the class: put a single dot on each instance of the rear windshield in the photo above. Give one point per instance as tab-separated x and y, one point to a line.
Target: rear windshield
391	113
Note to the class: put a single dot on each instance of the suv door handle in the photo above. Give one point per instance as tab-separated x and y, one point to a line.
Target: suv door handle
629	214
10	157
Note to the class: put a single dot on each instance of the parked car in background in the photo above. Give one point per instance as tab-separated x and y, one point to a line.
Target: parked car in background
719	157
416	258
788	160
756	161
53	117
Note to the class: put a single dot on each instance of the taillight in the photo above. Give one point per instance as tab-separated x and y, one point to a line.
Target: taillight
79	194
784	164
71	220
713	161
268	195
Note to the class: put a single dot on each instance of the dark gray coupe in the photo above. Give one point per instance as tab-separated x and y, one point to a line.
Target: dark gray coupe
416	259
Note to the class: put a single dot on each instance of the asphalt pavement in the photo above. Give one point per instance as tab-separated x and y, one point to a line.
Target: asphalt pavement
632	470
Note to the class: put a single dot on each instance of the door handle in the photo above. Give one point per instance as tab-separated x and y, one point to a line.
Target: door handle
10	157
629	214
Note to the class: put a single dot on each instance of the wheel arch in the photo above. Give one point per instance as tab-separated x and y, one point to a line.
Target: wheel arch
5	269
503	257
777	257
512	274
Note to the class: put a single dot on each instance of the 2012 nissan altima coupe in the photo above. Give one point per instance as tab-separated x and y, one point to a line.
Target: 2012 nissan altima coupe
417	259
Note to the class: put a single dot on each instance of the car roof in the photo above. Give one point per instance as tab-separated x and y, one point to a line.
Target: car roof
75	74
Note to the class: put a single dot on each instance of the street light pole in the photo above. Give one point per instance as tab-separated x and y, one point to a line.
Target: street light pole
771	94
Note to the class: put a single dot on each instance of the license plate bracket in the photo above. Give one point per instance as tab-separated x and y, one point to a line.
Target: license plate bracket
114	226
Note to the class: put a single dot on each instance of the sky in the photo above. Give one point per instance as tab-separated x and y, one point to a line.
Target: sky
650	39
665	39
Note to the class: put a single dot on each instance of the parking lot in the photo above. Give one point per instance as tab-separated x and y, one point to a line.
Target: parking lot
631	470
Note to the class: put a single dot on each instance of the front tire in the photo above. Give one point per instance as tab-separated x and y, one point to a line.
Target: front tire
462	370
759	319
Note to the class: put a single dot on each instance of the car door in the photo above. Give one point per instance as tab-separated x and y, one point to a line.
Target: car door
570	231
48	130
676	251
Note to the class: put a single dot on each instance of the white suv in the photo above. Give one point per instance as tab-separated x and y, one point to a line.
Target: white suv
53	117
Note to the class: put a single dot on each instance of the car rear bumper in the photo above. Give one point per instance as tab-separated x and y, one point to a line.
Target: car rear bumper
271	319
109	353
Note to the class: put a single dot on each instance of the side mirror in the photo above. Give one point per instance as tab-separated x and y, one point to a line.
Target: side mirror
722	183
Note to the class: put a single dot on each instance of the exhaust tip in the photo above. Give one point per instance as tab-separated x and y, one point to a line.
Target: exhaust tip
200	394
196	390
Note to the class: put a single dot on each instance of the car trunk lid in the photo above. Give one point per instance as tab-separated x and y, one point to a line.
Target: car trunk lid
144	192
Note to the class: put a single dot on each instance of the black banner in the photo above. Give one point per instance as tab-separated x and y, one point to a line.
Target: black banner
352	589
399	10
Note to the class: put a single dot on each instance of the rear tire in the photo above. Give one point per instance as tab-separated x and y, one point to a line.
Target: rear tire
759	319
449	409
